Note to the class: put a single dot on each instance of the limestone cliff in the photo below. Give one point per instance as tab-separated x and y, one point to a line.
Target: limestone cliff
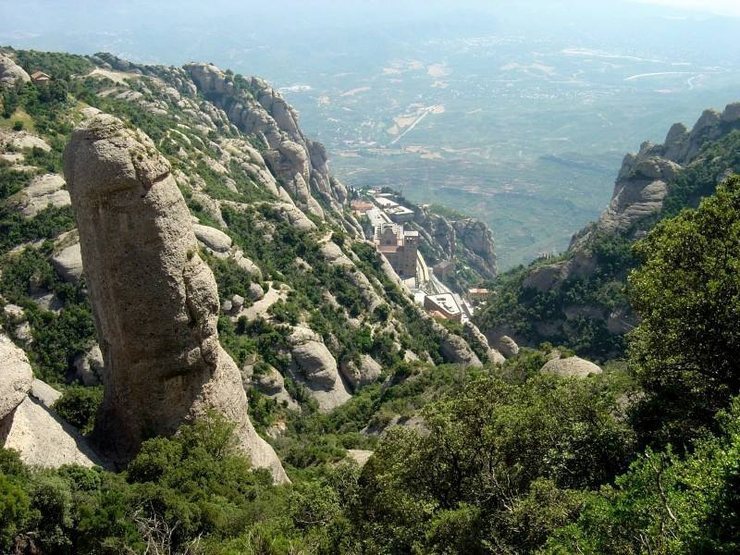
154	299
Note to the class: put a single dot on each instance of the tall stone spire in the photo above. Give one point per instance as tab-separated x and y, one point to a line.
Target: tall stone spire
155	301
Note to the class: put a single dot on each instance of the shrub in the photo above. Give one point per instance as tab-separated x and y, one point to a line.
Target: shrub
79	406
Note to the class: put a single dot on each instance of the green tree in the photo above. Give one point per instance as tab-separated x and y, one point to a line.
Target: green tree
666	505
686	349
489	456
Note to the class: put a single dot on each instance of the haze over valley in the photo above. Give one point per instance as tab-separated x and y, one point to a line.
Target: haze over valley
516	113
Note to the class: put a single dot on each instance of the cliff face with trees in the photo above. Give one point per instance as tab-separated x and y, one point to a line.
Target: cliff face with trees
580	298
390	446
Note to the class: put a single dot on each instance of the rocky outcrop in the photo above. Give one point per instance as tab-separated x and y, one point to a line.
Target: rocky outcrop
506	345
316	368
269	382
154	299
362	372
27	422
44	393
455	350
643	181
464	239
16	376
214	239
11	74
259	111
90	366
68	263
640	190
44	191
473	336
571	367
43	439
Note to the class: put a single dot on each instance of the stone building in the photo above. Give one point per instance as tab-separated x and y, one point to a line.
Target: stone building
399	247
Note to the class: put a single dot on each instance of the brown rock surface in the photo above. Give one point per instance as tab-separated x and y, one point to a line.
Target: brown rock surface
154	300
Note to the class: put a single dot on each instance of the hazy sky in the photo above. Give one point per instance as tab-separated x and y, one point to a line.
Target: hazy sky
723	7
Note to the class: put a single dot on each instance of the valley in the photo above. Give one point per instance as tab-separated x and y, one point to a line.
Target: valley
516	113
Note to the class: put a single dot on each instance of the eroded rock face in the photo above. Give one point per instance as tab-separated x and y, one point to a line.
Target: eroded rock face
465	239
507	346
11	73
44	191
455	350
298	162
68	263
316	368
154	299
360	374
43	439
212	238
16	376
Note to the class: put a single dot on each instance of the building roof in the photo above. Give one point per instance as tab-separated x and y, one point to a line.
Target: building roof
446	302
384	202
377	217
40	76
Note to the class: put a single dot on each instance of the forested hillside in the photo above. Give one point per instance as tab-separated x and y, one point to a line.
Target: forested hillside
395	433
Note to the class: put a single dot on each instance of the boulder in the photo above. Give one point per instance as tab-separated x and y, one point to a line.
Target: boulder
89	366
366	372
44	191
571	367
455	350
246	264
48	301
313	358
334	255
256	292
24	333
316	368
507	346
43	439
68	263
471	332
11	73
212	238
269	382
237	302
14	314
44	393
16	376
154	299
